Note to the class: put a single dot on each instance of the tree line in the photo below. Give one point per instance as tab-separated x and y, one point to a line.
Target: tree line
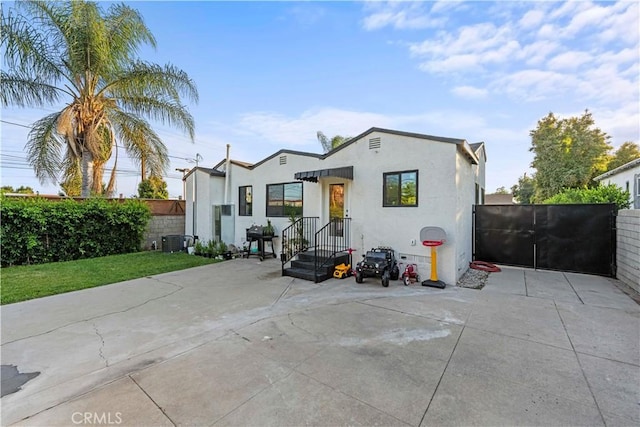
568	153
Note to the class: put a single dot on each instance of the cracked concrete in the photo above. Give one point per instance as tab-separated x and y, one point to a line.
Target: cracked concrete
218	345
100	353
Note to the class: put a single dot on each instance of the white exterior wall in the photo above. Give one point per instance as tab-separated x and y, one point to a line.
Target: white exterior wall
374	225
466	197
272	172
210	191
625	179
446	193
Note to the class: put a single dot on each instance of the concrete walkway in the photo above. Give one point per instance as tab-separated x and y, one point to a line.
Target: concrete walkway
237	344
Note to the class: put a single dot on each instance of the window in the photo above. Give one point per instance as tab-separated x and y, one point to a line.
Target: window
400	189
245	201
284	199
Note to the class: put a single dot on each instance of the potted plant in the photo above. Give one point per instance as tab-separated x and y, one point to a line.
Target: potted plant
199	248
223	250
211	249
268	229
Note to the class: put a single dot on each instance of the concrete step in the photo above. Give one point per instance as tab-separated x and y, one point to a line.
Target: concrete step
303	273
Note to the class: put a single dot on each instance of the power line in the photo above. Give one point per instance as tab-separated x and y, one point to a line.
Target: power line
118	146
15	124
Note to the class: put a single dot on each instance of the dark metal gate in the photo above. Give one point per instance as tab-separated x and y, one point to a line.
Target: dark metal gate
577	238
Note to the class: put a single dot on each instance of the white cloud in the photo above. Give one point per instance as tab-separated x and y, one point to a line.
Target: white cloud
281	130
447	6
591	17
400	15
534	85
469	92
452	64
622	23
581	50
531	19
569	60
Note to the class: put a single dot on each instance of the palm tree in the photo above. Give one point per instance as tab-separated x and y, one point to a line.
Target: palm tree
330	144
76	52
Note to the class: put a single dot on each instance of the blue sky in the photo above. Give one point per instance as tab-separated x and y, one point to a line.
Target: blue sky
272	74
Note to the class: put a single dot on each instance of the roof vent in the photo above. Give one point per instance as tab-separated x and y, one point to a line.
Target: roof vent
283	160
374	143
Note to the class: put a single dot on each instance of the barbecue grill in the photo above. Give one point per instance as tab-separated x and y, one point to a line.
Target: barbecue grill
256	234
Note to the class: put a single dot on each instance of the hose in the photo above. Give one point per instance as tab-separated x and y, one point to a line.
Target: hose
484	266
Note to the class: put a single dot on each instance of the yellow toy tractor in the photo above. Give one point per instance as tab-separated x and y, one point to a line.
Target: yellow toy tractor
341	271
344	270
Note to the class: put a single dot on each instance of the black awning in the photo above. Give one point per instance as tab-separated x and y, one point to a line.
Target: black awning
313	176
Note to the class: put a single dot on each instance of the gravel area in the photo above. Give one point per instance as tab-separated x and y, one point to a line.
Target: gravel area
473	279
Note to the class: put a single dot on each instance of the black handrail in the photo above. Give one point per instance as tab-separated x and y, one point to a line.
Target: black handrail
297	237
333	238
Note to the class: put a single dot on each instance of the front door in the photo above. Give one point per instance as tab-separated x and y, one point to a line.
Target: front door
336	208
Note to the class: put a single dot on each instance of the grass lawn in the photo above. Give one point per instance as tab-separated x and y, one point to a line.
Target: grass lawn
26	282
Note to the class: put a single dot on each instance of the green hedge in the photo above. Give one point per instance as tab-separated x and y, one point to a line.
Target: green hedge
610	193
35	230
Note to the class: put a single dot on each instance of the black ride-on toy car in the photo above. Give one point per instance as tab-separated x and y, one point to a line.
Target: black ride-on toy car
378	262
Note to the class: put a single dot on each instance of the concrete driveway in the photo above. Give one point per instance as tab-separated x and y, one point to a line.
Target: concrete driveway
237	344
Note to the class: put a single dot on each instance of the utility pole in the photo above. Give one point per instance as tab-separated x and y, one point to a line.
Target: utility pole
197	161
184	183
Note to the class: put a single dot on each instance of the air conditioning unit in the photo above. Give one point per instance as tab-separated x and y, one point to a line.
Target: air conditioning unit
172	243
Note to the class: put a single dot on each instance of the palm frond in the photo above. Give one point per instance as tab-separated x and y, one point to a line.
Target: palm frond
163	111
140	142
126	31
27	50
44	148
146	79
24	91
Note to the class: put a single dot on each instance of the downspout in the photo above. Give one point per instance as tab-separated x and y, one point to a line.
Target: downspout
226	177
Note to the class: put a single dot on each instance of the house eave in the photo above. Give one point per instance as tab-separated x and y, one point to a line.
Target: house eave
626	166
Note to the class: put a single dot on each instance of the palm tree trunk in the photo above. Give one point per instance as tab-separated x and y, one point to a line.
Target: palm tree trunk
87	173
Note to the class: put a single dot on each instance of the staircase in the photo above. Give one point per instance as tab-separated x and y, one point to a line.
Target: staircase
304	267
312	255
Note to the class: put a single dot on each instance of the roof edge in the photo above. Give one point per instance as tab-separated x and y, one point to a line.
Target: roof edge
617	170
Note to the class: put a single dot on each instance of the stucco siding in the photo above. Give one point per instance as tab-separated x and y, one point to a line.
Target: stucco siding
446	193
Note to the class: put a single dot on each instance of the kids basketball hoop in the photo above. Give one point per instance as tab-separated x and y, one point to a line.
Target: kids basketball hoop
433	237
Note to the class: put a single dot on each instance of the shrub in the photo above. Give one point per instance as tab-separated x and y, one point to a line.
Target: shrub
37	230
602	194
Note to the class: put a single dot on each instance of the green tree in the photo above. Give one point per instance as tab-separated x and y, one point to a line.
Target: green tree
23	189
568	153
501	190
153	188
76	53
624	154
330	144
524	190
601	194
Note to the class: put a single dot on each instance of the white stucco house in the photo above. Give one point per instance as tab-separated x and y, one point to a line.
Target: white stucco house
627	177
386	185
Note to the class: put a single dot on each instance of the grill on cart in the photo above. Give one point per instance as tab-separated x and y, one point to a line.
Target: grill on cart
254	233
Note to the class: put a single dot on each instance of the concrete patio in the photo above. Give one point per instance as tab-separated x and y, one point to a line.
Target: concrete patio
237	344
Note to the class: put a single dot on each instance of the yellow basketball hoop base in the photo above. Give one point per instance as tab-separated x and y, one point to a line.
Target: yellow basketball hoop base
433	237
